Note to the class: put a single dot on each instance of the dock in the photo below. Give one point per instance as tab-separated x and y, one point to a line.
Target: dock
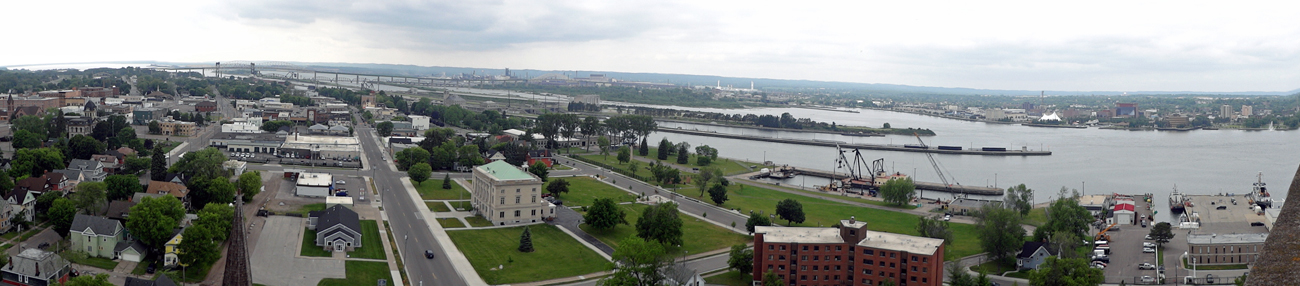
928	186
831	143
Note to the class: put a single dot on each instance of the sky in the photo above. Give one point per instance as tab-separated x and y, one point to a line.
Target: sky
1026	45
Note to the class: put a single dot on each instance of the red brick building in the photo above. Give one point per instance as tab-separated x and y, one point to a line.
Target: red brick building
205	106
848	255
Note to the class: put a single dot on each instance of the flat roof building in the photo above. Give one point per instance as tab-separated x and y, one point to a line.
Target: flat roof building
314	185
847	255
1225	249
504	194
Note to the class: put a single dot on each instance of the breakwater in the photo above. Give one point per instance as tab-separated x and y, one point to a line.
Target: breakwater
831	143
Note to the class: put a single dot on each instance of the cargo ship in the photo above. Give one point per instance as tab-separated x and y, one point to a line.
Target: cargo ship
1259	193
1178	201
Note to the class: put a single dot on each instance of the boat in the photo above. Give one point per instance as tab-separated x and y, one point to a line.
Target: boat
1177	201
1259	193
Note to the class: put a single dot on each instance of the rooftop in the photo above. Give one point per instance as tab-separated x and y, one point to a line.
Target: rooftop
315	179
901	242
1092	200
1231	238
323	140
800	234
502	171
1233	218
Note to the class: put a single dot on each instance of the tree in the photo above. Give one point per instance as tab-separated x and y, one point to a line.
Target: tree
665	148
644	149
121	187
756	220
135	165
249	184
539	168
886	126
591	126
45	201
35	162
6	182
90	197
156	128
61	214
82	147
31	123
214	190
934	227
1000	232
660	223
153	219
705	176
205	163
718	194
384	128
1066	272
556	187
1065	214
957	275
771	279
26	139
446	181
898	191
90	280
683	155
604	214
624	155
419	173
158	164
526	241
790	210
198	247
604	145
742	259
638	263
410	156
1020	199
217	218
274	125
125	136
1161	232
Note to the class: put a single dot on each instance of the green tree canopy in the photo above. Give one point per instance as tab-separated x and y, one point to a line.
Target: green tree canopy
198	246
604	214
90	280
757	220
1066	272
205	163
249	183
639	262
790	210
384	128
91	197
217	217
742	259
121	187
27	139
934	227
771	279
153	219
898	191
35	162
1162	232
718	194
660	223
411	156
158	164
214	190
61	214
624	155
556	187
1020	198
1000	232
420	172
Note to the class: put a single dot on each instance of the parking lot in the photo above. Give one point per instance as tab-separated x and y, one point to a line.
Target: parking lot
1127	252
264	158
276	255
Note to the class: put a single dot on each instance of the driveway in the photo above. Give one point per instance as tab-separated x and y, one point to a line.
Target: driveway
277	261
569	219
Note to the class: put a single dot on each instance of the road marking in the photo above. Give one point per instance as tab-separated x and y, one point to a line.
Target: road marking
418	216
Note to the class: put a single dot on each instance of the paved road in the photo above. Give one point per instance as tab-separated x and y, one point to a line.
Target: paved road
700	265
687	205
410	230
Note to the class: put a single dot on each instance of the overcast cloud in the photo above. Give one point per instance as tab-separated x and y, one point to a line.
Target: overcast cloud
1122	45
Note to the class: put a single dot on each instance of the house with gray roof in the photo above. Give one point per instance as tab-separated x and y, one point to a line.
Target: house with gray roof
35	267
337	228
97	236
83	171
130	250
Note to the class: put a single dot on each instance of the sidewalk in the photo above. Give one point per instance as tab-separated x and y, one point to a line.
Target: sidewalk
457	259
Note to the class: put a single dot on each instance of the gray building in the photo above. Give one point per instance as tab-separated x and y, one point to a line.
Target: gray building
1224	249
337	228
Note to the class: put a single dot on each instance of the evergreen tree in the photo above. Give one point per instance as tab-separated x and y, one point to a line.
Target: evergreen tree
665	148
526	241
446	181
718	194
644	150
683	156
158	168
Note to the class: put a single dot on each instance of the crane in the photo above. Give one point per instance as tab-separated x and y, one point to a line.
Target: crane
935	164
859	169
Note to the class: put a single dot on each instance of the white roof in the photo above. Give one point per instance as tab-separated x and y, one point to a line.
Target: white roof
336	200
901	242
315	179
322	140
799	234
1051	117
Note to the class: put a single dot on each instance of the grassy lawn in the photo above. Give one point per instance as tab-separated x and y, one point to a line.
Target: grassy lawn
488	248
583	191
432	190
1019	274
309	247
478	221
992	268
826	213
849	198
98	262
461	205
612	160
371	247
1037	217
450	223
730	278
698	236
361	273
728	166
437	207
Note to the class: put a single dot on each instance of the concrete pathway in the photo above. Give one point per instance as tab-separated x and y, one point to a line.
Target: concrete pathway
568	220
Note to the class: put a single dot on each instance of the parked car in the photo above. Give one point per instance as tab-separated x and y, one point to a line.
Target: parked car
1148	279
1148	244
1209	278
1148	250
1148	237
428	254
947	217
153	267
1146	266
340	182
1102	258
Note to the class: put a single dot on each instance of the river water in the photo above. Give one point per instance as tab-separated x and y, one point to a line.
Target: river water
1092	160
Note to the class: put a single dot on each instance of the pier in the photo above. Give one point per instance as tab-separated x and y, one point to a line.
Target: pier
928	186
831	143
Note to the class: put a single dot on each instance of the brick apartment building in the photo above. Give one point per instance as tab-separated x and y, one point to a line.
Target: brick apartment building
848	255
